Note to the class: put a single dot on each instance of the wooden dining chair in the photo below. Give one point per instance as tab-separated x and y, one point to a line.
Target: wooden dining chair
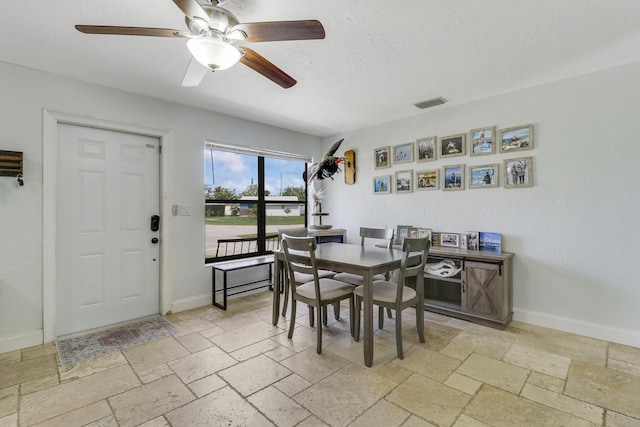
398	296
385	234
301	278
317	293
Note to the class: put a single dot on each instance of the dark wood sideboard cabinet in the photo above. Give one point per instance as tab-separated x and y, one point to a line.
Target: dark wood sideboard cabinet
481	292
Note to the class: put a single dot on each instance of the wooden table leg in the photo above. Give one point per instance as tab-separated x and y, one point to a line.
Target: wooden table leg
368	319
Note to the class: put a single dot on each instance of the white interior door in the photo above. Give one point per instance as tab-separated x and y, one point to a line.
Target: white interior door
107	265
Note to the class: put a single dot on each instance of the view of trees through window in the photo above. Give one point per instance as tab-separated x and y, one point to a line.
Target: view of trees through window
248	198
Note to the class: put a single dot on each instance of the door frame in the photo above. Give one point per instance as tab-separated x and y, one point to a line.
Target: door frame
51	120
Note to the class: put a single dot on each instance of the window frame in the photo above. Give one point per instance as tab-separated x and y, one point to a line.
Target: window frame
262	203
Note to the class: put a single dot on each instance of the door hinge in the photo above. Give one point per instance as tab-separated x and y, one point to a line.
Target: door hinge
160	149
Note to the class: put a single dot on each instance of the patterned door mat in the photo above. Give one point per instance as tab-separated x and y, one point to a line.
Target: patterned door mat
74	350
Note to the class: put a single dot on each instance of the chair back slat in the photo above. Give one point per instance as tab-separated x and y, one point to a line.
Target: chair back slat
302	246
377	233
295	232
414	258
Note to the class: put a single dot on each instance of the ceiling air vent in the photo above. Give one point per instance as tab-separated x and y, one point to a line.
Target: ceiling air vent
430	103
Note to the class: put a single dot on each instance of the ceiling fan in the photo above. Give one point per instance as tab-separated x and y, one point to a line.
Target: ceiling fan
213	34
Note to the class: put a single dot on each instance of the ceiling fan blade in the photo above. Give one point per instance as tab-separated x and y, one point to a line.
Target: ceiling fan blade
192	9
194	74
131	31
281	30
259	63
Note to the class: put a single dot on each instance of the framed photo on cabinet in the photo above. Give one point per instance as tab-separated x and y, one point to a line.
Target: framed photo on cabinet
427	180
518	172
426	149
453	177
403	153
451	240
485	176
382	184
473	240
421	233
403	232
454	145
482	141
381	157
490	241
516	138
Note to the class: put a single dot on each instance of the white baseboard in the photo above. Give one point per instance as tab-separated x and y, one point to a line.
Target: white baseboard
629	337
189	303
19	342
205	300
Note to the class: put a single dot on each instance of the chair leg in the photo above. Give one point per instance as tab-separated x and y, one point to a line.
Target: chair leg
311	316
356	319
322	314
286	297
351	313
380	317
399	334
420	322
336	310
389	313
325	318
292	321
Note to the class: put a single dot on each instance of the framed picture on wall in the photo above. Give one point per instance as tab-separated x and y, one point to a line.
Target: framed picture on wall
403	181
518	172
382	184
435	238
381	157
482	141
427	180
453	177
454	145
516	138
403	153
485	176
426	149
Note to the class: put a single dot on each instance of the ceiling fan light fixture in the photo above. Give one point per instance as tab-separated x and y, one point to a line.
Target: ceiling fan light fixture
214	53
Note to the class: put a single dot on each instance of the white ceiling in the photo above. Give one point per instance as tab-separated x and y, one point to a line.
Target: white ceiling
378	58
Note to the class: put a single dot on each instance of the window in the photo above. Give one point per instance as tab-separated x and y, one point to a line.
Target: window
249	195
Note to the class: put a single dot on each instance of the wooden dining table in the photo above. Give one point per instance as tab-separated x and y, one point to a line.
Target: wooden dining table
348	258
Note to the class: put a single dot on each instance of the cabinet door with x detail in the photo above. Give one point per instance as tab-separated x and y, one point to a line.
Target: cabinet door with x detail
483	289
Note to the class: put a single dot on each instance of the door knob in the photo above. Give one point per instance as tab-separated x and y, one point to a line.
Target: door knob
154	240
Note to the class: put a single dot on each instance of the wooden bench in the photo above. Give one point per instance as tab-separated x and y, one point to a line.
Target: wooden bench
240	264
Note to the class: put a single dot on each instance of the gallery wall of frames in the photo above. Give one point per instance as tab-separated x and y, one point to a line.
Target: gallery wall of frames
411	169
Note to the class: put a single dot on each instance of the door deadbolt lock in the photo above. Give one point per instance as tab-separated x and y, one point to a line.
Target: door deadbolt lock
155	222
154	240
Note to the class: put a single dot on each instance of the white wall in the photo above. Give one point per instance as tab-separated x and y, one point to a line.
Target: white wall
575	233
25	93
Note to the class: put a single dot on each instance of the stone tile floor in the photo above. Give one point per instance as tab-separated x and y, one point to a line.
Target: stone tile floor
234	368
